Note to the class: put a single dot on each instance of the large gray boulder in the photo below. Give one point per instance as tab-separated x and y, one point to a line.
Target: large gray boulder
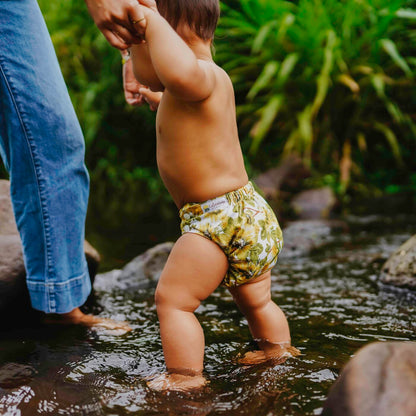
142	270
400	269
379	381
13	290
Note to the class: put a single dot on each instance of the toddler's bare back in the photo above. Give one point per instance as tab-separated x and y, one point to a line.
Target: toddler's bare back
198	150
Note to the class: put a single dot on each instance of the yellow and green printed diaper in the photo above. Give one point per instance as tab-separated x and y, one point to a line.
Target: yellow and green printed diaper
244	226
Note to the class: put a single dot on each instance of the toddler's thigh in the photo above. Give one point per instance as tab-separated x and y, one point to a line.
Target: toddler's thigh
195	268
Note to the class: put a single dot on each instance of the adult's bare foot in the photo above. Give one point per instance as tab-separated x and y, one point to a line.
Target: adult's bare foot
278	356
77	317
177	382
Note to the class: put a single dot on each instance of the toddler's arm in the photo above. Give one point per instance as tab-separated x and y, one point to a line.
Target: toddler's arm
174	63
143	68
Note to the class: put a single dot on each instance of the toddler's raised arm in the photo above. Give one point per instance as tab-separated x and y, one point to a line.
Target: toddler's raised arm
174	63
143	67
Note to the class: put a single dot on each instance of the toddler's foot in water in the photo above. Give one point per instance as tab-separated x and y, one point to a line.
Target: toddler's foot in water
278	355
177	382
76	317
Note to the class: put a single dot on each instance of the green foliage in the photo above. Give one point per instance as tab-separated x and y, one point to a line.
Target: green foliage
331	80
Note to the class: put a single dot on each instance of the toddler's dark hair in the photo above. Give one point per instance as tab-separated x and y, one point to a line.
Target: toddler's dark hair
200	15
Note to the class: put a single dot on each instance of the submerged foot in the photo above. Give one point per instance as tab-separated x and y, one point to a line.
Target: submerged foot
76	317
177	382
278	355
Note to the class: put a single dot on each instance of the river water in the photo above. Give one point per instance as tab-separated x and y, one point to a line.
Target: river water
331	298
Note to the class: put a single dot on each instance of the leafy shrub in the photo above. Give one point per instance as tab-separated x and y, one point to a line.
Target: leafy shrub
330	80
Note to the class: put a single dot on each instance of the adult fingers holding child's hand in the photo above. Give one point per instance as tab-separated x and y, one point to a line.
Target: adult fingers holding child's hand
115	19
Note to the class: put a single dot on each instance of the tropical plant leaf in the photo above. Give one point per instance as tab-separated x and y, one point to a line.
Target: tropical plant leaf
262	35
286	68
264	78
391	139
390	47
268	115
406	14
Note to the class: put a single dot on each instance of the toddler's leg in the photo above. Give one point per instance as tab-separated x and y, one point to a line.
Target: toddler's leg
268	324
195	268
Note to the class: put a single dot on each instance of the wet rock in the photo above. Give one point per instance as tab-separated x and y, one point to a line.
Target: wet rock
380	380
400	269
279	184
93	259
14	374
314	203
12	270
288	176
302	237
13	290
143	269
7	221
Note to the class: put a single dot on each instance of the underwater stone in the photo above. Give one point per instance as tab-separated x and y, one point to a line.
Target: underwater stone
400	269
13	290
145	268
13	375
380	380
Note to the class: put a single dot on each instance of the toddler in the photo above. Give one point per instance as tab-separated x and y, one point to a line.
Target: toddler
230	235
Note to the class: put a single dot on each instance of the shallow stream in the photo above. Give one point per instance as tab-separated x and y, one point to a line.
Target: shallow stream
331	298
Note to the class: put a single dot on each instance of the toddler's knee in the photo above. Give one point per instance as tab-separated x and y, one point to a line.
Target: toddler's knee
166	299
161	299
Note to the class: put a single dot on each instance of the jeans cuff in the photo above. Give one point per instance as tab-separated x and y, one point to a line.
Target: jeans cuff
60	297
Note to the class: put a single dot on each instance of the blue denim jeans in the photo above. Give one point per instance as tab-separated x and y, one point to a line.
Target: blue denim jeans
42	147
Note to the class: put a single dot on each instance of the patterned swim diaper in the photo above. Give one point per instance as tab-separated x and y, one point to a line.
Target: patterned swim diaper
244	226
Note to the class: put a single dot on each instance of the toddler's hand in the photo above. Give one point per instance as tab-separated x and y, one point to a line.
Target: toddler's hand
152	98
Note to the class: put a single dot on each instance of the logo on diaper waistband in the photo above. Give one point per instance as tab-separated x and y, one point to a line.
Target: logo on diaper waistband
216	204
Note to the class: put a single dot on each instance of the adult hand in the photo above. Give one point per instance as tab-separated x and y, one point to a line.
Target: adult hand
131	86
121	21
135	93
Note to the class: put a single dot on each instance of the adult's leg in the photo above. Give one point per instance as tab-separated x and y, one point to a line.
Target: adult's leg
267	322
42	146
195	268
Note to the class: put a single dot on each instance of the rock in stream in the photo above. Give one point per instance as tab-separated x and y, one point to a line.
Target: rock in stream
380	380
400	269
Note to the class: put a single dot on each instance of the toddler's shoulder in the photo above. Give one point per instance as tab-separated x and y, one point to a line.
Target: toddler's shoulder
221	77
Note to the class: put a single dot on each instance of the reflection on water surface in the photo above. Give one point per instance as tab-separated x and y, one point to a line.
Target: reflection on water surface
331	299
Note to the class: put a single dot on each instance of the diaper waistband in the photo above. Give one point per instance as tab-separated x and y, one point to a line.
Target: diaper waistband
192	209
